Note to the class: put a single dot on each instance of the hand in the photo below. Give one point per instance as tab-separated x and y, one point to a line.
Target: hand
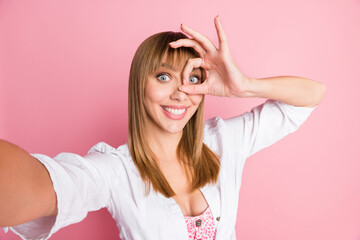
223	78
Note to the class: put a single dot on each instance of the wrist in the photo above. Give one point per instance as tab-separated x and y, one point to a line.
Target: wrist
258	88
250	88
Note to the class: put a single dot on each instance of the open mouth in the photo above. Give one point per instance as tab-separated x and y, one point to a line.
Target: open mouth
174	111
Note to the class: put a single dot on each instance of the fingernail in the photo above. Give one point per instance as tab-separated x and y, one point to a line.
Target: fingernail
180	88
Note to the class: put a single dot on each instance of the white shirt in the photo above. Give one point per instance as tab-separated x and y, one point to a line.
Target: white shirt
107	177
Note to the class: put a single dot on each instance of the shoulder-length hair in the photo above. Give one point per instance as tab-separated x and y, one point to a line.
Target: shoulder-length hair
201	164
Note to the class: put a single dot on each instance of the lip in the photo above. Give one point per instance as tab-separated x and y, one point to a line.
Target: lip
174	117
174	106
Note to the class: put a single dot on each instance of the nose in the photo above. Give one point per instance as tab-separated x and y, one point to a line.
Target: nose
177	94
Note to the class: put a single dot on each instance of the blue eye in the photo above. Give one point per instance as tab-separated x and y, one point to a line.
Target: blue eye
163	77
194	79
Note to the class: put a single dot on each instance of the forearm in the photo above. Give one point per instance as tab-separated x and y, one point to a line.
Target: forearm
296	91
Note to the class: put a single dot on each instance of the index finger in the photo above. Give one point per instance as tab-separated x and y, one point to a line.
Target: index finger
190	65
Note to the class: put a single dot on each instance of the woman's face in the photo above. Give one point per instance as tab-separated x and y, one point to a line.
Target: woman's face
168	107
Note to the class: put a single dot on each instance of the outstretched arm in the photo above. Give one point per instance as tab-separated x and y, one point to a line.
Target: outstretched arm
225	79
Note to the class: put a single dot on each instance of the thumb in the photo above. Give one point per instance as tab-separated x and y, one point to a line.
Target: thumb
195	89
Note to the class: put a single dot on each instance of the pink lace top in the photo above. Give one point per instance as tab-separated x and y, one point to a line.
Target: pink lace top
202	226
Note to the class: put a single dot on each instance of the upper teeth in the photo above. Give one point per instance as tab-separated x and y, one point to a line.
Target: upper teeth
174	111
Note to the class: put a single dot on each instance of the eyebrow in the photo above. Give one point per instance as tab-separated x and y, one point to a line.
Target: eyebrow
168	66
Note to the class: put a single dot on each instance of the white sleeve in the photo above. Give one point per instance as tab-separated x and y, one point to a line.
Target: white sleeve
264	125
82	184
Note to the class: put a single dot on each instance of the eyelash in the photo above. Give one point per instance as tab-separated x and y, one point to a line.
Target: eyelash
198	77
169	76
163	74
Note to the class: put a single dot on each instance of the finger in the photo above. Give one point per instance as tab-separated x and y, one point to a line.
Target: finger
223	43
188	43
204	41
196	89
190	65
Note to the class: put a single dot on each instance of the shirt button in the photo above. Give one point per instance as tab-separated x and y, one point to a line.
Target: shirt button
198	223
218	219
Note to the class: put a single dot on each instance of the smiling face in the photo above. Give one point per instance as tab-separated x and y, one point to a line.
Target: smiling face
168	108
155	103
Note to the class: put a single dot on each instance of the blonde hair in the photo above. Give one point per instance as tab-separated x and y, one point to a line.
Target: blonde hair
201	164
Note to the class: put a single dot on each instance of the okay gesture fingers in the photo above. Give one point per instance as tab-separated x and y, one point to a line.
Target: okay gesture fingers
223	76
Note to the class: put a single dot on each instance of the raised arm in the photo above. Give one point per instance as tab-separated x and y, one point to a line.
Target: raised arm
225	79
296	91
26	190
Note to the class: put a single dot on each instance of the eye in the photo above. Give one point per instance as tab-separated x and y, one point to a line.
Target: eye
163	77
194	79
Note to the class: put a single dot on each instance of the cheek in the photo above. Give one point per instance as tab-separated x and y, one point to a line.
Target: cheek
154	94
196	99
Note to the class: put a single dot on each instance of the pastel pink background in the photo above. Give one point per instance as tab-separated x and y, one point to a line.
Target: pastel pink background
63	87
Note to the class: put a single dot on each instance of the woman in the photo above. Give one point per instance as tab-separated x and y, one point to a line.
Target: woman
175	178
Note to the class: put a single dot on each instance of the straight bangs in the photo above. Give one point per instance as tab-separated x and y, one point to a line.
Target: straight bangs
176	58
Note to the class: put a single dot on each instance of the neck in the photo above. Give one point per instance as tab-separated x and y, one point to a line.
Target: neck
163	143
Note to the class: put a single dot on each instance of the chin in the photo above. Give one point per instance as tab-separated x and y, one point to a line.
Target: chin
176	128
173	130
